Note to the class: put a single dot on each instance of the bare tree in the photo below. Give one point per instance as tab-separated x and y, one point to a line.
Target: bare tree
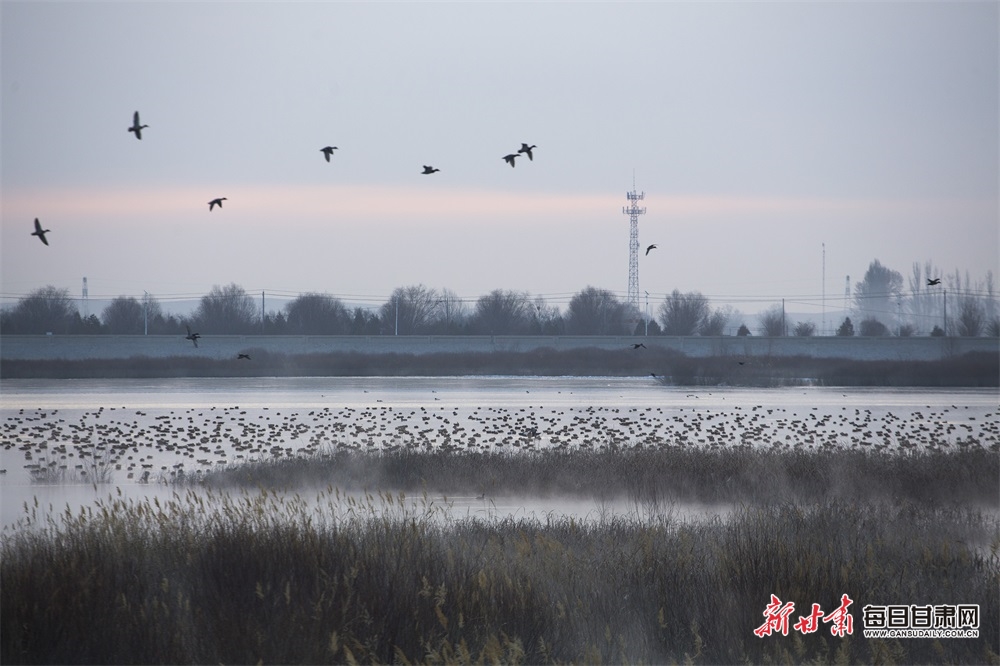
715	323
594	311
227	310
879	291
548	320
772	321
316	314
409	310
45	310
126	315
971	320
503	312
683	314
451	313
805	329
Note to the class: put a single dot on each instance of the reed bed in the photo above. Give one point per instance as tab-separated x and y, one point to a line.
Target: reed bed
737	474
260	577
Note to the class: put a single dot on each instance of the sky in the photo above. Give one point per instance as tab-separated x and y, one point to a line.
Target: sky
781	147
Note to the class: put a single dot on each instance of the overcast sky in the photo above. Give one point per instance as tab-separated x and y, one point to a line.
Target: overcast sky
758	131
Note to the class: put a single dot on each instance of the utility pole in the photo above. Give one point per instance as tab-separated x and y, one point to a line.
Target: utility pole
646	318
262	312
145	312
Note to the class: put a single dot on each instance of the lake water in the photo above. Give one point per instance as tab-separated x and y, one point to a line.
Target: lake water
136	436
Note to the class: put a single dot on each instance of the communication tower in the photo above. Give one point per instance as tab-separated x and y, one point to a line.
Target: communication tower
633	211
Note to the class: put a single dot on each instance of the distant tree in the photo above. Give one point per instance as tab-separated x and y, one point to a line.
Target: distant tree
683	314
772	321
502	312
317	314
879	291
971	320
594	311
364	322
227	310
846	329
937	332
409	310
907	330
275	323
743	331
654	328
127	315
872	328
45	310
450	314
548	319
715	322
993	328
805	329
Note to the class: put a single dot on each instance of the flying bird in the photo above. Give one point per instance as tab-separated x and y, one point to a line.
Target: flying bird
526	149
931	283
328	151
651	247
193	337
428	169
40	232
215	202
136	127
509	159
241	357
638	345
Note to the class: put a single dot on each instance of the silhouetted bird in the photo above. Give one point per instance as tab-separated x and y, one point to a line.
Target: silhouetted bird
651	247
328	151
638	345
40	232
931	283
136	127
240	357
193	337
215	202
509	159
526	149
428	170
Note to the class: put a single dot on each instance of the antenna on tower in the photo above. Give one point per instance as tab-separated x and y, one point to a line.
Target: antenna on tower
633	211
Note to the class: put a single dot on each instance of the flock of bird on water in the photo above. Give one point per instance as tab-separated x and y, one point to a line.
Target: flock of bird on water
166	444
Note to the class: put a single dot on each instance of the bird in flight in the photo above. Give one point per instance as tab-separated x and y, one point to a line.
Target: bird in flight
526	149
651	247
328	151
136	127
40	232
509	159
638	345
429	169
931	283
241	357
193	337
215	202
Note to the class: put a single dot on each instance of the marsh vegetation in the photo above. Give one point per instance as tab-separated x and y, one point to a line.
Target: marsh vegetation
290	570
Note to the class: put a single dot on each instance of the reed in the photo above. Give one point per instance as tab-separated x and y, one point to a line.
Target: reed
736	474
260	577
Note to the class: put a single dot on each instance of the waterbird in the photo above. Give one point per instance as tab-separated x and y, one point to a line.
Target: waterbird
243	357
429	169
509	159
193	337
526	149
638	345
328	151
651	247
40	232
136	127
931	283
215	202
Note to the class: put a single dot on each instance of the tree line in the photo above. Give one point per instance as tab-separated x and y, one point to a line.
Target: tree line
419	310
